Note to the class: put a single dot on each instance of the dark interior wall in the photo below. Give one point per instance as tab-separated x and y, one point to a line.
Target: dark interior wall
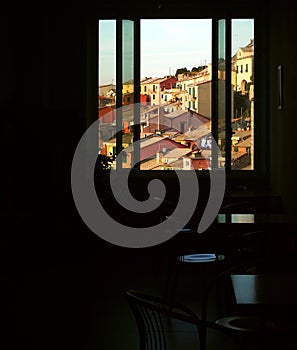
65	61
44	91
43	109
283	123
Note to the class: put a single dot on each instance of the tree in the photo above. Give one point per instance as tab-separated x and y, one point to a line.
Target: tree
181	71
242	103
185	70
198	69
104	162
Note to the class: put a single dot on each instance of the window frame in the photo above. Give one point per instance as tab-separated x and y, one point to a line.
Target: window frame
261	135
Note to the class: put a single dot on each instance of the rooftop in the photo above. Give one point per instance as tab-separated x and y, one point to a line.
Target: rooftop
177	153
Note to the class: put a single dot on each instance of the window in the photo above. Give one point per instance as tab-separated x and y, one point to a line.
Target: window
182	126
221	104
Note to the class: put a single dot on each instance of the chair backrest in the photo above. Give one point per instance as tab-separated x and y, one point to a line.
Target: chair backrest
245	204
265	264
271	321
155	318
153	315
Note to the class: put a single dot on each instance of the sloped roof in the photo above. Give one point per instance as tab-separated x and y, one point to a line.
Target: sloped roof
175	114
195	134
177	153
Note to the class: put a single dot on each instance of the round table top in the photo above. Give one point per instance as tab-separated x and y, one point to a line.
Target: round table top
200	258
254	324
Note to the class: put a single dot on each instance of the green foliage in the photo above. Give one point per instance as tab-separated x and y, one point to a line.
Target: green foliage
198	69
185	70
104	162
242	103
181	71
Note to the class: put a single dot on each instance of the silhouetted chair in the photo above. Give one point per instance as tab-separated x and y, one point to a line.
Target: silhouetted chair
188	256
195	266
258	325
200	266
245	246
161	323
242	244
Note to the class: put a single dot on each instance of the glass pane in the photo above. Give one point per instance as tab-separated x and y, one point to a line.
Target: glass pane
175	94
107	87
243	94
127	159
222	91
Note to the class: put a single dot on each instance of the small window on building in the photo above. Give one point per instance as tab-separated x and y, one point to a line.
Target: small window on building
124	157
182	127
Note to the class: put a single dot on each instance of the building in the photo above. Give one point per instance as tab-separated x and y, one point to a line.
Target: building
106	90
153	88
243	62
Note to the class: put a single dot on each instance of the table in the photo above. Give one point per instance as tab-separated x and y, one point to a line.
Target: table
272	300
279	231
265	289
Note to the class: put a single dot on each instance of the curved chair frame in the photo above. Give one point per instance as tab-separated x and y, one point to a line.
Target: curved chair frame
151	310
255	325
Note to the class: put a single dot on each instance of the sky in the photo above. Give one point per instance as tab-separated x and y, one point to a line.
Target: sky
166	45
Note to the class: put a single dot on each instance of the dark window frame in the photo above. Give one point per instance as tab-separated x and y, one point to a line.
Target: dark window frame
261	130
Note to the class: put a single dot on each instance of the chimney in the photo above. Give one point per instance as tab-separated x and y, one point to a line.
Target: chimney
159	156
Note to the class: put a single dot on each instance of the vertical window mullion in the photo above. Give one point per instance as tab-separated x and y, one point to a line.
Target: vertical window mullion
136	136
214	92
228	96
119	93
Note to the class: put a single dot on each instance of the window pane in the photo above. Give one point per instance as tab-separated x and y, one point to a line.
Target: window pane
243	101
128	93
222	91
107	87
175	94
109	115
